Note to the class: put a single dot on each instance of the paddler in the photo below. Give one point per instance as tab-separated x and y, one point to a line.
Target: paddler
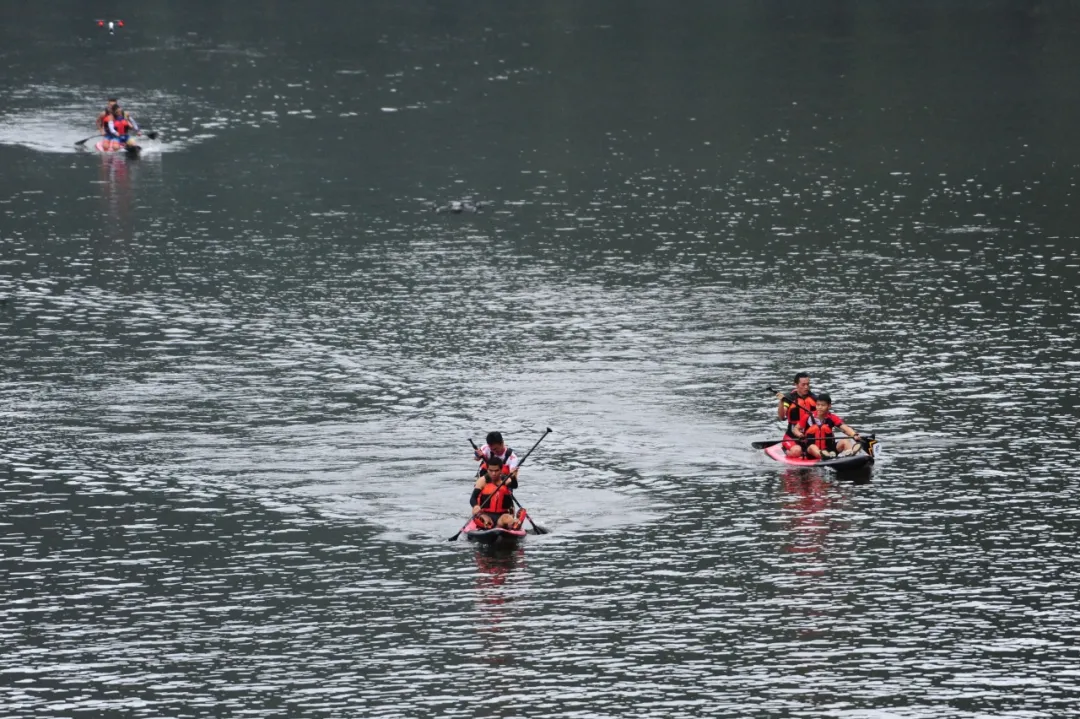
800	395
818	431
496	447
104	117
119	128
492	498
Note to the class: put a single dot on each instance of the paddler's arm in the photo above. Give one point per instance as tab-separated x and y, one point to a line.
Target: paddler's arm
782	408
793	421
849	432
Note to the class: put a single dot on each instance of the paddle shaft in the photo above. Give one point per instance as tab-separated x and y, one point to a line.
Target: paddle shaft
545	434
763	445
151	135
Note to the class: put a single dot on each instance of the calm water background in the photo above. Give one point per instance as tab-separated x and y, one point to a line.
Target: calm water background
239	374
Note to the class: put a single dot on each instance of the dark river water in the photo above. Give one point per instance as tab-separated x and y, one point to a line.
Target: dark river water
241	372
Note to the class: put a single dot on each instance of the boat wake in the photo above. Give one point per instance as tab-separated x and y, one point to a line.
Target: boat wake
68	116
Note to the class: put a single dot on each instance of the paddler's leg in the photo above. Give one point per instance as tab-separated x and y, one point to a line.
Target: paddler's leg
506	521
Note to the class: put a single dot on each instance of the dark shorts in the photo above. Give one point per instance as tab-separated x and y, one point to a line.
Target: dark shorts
494	516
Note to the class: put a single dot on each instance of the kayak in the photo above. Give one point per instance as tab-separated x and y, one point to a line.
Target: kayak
494	537
840	464
131	150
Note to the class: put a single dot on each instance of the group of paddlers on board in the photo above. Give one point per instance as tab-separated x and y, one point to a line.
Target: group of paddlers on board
116	127
815	435
812	431
494	519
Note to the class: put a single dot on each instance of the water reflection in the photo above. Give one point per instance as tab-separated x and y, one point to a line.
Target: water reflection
810	498
115	174
493	568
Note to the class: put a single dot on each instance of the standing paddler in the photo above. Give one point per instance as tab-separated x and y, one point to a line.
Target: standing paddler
496	447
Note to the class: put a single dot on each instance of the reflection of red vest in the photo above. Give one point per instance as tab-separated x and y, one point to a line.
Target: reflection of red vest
494	499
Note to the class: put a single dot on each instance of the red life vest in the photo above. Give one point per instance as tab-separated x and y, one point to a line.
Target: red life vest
122	126
799	413
495	499
820	431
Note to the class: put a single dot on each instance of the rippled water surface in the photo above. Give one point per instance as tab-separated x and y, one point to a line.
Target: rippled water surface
241	372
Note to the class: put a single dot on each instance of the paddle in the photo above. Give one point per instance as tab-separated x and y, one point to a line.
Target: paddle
151	135
486	499
864	440
763	445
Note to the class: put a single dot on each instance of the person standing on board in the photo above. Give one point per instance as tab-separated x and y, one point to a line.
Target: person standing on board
818	430
800	395
492	499
496	447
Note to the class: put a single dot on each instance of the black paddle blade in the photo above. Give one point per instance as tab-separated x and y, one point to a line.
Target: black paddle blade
540	530
763	445
152	135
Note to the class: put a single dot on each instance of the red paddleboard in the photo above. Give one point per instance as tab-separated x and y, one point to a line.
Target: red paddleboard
131	150
839	463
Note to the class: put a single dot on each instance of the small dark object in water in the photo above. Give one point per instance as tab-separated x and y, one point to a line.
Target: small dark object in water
459	206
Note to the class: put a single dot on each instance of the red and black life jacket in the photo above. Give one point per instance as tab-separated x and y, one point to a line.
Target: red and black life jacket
495	498
122	126
820	431
800	410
